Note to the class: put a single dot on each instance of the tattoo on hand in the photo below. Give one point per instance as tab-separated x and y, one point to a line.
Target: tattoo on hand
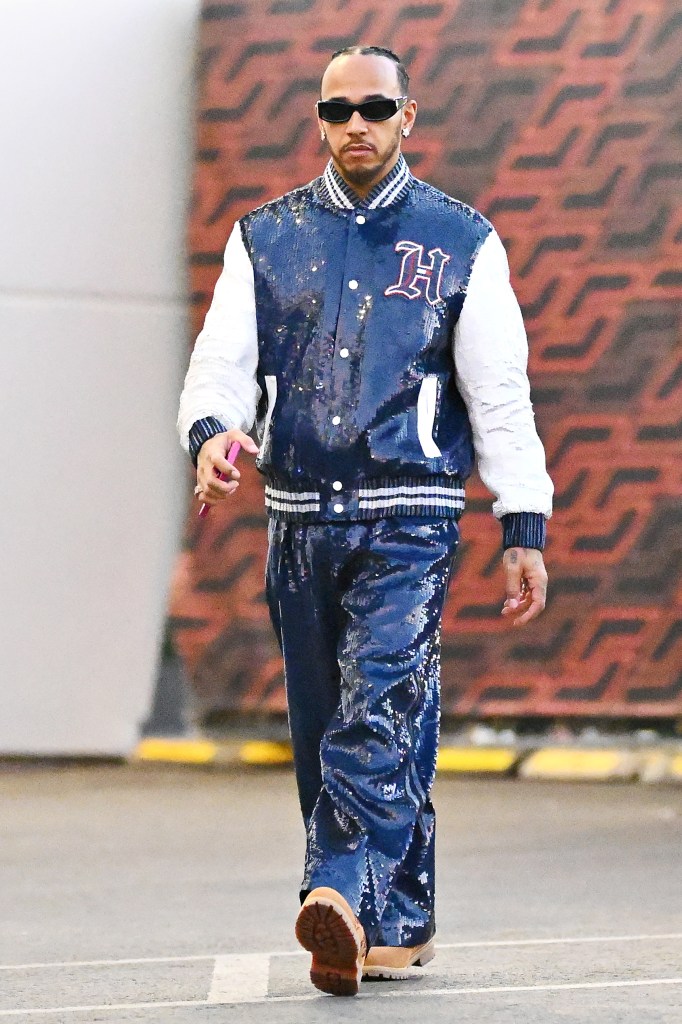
514	556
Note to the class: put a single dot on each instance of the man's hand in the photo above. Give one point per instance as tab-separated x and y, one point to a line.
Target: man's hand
212	460
526	584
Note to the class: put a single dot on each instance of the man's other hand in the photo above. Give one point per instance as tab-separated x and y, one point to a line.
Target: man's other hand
213	460
525	584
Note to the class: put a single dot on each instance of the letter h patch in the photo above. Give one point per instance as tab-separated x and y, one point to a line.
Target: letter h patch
414	273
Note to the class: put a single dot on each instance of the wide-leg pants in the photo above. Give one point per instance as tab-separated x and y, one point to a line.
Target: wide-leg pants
357	610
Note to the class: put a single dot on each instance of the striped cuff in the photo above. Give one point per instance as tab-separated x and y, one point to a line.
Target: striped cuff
201	431
524	530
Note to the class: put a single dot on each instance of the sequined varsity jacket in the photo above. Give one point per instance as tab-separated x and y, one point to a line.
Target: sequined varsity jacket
378	347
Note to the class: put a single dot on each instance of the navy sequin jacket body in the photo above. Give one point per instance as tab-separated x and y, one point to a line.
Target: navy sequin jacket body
378	345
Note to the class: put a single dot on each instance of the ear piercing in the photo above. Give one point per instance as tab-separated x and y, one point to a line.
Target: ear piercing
406	132
323	136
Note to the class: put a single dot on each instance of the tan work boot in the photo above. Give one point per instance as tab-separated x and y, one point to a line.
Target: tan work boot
327	927
393	962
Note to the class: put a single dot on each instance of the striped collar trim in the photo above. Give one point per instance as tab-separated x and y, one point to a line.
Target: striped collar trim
384	192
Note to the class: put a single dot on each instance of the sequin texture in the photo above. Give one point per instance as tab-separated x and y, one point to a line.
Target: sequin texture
356	314
357	609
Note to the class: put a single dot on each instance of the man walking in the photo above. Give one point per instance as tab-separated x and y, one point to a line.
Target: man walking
366	323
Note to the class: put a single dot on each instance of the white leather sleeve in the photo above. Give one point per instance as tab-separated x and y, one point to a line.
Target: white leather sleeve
221	377
491	356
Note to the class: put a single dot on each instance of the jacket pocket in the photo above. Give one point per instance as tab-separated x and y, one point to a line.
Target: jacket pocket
426	416
271	387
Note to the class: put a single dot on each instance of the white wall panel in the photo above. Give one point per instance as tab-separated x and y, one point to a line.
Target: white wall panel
94	184
94	123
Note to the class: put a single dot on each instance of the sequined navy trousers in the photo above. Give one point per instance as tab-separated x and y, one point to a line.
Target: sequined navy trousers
357	610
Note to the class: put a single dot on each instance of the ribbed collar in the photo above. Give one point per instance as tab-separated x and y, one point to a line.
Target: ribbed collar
385	192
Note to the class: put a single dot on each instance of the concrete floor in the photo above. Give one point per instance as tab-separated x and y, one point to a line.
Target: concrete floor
555	903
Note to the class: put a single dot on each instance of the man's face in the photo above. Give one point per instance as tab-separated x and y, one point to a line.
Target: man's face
364	151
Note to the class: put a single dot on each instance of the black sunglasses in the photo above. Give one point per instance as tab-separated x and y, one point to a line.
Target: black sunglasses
338	111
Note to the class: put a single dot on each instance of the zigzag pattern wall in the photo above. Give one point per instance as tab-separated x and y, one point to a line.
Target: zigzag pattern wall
561	120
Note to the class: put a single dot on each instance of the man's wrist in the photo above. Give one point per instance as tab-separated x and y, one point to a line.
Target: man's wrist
524	530
201	431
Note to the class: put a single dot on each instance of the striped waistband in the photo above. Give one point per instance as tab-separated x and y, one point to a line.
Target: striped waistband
437	495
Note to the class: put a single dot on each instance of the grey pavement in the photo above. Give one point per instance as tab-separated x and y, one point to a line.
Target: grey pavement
168	895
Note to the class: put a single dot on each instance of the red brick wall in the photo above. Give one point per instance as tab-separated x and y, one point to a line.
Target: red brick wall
562	121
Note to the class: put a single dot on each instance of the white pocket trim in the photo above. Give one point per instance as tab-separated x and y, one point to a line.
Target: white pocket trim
426	415
271	387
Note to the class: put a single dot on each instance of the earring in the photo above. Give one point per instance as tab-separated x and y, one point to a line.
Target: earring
323	136
406	132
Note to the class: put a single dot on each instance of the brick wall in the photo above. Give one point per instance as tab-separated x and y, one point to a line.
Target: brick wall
561	121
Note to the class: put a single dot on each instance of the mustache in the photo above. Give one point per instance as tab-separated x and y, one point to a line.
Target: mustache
358	142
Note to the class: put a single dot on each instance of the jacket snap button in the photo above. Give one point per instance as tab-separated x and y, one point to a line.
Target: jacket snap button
338	508
344	353
352	285
360	219
336	420
337	485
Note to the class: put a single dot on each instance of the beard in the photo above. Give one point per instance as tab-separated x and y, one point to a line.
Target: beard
362	176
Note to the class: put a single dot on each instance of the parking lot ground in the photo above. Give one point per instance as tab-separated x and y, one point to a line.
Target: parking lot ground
133	893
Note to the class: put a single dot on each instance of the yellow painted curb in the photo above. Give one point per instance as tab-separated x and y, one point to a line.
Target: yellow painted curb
552	763
569	764
475	759
182	751
265	752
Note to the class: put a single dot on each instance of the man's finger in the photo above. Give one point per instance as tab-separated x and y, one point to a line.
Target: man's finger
247	443
223	466
218	488
514	606
537	605
216	485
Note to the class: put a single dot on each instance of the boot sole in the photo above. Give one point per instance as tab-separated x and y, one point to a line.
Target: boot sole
325	930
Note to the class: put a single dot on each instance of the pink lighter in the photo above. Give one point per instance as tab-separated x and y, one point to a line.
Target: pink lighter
234	451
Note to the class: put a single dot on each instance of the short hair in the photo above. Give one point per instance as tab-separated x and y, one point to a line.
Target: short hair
379	51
